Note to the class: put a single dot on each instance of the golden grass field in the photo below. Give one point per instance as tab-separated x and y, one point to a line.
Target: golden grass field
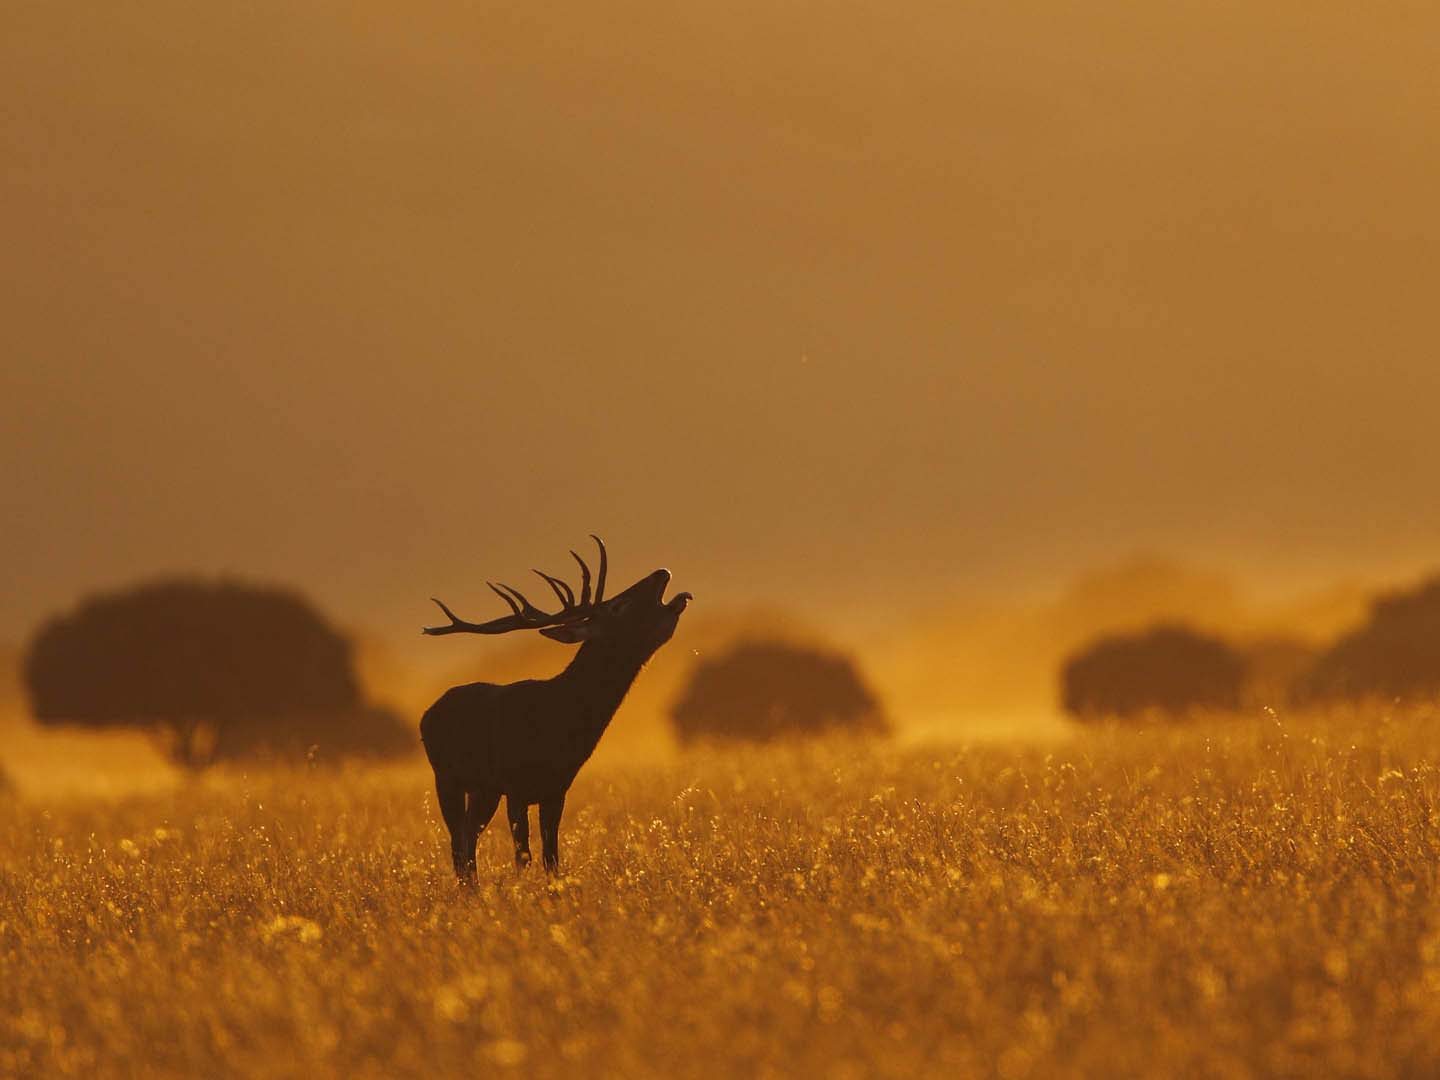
1243	898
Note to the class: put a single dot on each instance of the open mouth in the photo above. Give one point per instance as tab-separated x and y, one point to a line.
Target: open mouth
678	602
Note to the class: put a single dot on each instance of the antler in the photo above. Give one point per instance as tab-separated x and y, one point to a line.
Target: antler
526	616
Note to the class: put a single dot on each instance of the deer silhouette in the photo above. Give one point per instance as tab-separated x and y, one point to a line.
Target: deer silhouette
527	740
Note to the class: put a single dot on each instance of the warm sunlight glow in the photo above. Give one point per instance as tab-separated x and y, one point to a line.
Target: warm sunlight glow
1030	407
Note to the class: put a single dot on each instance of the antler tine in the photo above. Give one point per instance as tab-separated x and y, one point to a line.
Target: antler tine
584	580
600	578
527	610
503	596
448	613
460	626
562	589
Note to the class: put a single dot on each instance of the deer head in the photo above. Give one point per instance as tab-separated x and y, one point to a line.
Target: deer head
639	615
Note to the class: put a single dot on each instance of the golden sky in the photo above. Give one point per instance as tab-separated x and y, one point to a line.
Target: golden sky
847	306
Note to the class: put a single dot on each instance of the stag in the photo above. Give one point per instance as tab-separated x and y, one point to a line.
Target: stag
527	740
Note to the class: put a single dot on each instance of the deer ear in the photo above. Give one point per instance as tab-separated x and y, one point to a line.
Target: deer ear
569	635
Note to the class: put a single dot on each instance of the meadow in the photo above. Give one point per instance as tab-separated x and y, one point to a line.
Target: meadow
1245	897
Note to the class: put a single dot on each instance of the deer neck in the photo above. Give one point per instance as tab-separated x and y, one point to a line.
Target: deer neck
599	677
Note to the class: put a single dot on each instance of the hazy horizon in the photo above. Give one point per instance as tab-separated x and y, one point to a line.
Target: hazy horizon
841	312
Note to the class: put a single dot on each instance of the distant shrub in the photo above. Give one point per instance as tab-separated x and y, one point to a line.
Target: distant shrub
1167	669
761	690
1394	655
220	670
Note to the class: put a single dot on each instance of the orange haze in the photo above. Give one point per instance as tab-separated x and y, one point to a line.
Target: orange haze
852	310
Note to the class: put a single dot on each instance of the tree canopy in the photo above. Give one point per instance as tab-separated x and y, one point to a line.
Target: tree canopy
760	690
1166	669
222	668
1394	654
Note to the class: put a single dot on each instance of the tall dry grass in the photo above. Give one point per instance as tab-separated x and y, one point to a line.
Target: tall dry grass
1242	899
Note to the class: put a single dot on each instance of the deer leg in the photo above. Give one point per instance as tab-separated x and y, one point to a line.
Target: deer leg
519	814
452	809
479	809
550	811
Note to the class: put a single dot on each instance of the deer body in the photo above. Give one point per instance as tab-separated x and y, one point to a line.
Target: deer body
526	741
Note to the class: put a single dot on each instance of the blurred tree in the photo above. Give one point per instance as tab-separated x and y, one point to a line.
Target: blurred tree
1168	669
763	689
1395	654
220	670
